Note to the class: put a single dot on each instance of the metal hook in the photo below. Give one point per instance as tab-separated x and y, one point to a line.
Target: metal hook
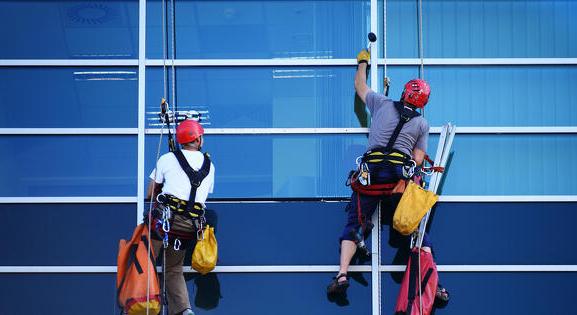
177	244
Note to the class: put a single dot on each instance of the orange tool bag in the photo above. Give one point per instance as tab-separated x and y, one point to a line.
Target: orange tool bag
136	275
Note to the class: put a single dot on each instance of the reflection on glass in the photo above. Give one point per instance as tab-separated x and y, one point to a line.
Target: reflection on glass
68	97
69	29
261	97
260	29
283	166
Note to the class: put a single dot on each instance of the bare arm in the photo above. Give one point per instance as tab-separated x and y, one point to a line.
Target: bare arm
418	156
153	190
361	82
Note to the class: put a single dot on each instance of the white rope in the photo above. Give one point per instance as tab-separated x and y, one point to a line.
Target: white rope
164	50
421	51
173	56
385	35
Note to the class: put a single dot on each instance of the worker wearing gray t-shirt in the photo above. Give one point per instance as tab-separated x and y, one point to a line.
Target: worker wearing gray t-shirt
397	140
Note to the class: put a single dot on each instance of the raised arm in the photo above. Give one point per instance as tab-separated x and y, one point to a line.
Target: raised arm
361	86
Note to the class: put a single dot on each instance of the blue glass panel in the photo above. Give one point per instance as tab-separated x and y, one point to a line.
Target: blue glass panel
483	234
502	96
219	294
260	29
64	234
262	97
54	294
510	96
502	293
69	29
68	97
278	228
465	29
267	166
511	165
402	37
41	166
277	166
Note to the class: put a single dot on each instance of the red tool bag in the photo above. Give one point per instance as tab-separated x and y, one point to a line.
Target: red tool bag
136	279
410	299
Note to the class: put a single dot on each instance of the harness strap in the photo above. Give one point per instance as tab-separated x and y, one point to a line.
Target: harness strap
405	114
195	177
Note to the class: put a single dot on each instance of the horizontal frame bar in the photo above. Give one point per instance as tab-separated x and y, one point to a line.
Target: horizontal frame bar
299	268
68	62
282	131
285	62
449	198
27	200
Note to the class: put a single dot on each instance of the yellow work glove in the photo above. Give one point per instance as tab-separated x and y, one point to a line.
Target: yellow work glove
364	56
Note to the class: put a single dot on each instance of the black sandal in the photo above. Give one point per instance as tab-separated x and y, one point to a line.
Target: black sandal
336	287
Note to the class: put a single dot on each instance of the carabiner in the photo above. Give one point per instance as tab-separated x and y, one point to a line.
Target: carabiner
177	244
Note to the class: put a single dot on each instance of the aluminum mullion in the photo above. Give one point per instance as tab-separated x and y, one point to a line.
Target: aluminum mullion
442	198
141	109
285	62
298	268
273	131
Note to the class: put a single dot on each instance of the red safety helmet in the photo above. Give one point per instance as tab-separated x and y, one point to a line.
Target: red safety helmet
188	131
416	93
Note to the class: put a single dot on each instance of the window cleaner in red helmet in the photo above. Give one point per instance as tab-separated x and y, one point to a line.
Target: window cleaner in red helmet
180	184
397	144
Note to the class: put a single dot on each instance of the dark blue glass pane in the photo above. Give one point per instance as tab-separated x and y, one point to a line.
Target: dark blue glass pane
282	242
260	29
64	234
499	29
512	293
54	294
41	166
69	29
262	97
218	294
68	97
482	234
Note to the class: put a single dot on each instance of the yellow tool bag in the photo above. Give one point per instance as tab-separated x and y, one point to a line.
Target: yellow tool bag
205	253
413	206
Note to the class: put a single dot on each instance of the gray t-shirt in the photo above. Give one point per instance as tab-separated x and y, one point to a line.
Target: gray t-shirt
385	118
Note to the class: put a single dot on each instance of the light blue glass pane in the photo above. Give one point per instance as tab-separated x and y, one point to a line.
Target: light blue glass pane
260	29
268	166
68	97
502	96
511	165
509	96
499	28
262	96
69	29
287	166
39	166
402	32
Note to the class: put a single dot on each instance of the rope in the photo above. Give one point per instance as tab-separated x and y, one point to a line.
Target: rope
421	53
173	56
385	35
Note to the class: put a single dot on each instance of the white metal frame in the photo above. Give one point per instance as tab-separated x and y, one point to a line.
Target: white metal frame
285	62
300	268
376	268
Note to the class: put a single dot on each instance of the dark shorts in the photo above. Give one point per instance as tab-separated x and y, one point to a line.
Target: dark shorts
362	207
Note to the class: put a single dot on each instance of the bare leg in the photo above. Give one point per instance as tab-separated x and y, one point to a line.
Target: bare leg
348	249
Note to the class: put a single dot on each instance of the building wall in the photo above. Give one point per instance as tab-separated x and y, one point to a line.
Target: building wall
79	84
